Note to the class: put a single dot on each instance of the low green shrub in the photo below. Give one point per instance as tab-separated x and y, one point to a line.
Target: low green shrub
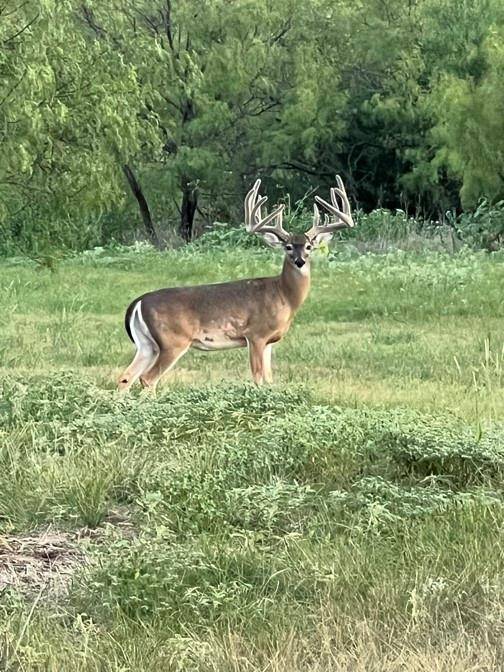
482	228
228	457
154	577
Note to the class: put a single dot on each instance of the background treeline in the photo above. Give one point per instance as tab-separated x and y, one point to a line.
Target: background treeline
159	114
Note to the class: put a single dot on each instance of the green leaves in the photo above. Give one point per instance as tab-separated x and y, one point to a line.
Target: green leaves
66	114
201	96
470	127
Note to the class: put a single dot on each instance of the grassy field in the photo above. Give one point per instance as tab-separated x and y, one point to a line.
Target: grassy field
349	517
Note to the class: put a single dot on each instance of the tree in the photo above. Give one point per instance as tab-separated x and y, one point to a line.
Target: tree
454	38
68	116
470	129
212	74
184	103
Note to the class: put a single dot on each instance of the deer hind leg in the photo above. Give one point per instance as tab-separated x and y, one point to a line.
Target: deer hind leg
256	357
166	360
268	374
147	350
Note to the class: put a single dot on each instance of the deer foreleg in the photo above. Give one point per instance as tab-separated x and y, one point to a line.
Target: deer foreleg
256	356
268	374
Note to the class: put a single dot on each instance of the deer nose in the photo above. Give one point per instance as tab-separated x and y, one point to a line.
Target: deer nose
299	262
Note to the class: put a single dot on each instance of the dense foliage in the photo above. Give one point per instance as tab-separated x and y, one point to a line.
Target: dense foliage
182	103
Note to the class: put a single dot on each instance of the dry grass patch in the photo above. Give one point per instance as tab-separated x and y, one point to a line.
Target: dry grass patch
40	563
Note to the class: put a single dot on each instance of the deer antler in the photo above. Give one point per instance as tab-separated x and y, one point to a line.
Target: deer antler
254	221
343	217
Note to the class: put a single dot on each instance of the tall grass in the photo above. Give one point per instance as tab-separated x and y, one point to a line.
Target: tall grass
346	518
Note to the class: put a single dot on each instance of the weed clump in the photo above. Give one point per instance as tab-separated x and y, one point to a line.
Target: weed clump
228	458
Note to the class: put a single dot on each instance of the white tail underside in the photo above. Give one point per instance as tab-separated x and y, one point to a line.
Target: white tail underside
147	348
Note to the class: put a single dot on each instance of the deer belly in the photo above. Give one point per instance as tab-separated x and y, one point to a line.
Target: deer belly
217	341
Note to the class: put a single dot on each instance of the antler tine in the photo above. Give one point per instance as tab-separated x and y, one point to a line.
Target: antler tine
340	190
249	203
254	221
343	216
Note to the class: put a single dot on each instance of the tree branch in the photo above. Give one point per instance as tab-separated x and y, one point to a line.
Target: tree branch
13	87
142	204
21	30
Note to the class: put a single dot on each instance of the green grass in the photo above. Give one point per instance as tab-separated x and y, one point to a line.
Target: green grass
346	518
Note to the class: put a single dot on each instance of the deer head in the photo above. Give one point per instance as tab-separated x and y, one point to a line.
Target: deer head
298	247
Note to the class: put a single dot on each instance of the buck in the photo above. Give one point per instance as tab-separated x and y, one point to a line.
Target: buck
253	313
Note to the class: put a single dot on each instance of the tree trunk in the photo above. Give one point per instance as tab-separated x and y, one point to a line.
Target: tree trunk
188	208
143	205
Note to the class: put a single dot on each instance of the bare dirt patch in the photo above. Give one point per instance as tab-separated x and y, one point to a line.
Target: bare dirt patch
43	562
39	562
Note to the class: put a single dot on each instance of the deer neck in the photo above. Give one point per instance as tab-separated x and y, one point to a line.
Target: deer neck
295	283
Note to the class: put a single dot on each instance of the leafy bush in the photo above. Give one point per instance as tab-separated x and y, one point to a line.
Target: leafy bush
104	240
382	224
482	227
153	576
378	225
34	232
225	235
375	504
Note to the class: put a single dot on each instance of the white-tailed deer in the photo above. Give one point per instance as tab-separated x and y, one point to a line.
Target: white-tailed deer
256	313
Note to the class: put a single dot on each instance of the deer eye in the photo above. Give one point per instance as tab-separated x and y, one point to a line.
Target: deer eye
308	247
288	247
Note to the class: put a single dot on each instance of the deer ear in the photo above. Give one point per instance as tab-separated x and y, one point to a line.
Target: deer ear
272	239
323	237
